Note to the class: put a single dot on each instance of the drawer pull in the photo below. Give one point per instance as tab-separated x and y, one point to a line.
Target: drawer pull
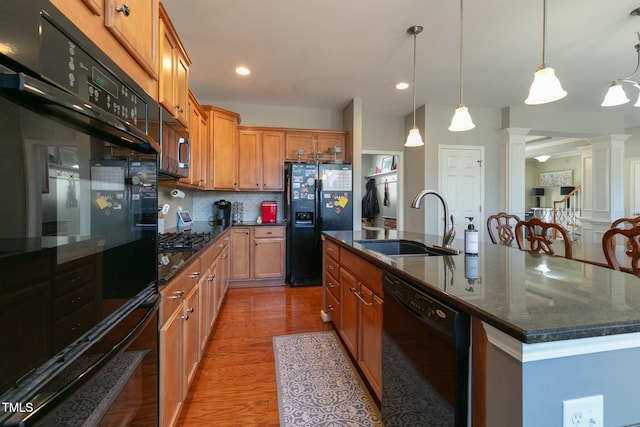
330	307
126	11
359	296
195	274
176	295
330	267
185	317
190	310
331	285
329	249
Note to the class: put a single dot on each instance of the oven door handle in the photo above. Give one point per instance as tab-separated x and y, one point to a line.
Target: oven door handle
48	97
151	305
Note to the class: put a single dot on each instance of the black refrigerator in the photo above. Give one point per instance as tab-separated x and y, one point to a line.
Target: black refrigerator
318	197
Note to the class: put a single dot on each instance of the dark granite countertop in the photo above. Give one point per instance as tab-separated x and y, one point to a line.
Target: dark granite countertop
533	298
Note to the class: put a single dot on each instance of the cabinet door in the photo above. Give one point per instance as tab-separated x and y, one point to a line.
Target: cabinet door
206	309
331	140
370	345
272	161
349	307
268	262
299	141
240	254
133	24
181	88
224	155
167	70
191	344
249	164
170	369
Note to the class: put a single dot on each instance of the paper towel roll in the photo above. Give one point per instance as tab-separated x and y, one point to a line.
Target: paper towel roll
177	193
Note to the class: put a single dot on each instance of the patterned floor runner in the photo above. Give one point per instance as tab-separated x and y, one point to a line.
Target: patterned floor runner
317	384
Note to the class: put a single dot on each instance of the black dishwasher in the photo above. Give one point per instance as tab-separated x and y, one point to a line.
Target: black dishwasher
425	359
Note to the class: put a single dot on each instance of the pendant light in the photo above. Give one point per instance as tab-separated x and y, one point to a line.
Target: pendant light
616	94
461	120
545	87
414	139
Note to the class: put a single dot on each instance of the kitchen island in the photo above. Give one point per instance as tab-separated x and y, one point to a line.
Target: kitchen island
553	329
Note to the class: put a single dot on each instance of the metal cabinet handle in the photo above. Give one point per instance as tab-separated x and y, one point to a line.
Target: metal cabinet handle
359	296
190	310
176	295
185	317
329	249
330	267
330	307
126	11
331	285
195	274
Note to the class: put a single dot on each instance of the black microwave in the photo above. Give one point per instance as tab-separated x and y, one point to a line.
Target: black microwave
174	157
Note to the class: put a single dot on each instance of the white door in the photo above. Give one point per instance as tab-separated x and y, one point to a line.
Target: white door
634	189
462	185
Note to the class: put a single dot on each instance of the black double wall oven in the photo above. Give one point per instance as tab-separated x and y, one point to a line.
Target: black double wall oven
78	258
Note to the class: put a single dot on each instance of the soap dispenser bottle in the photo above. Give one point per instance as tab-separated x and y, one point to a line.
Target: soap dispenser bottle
470	238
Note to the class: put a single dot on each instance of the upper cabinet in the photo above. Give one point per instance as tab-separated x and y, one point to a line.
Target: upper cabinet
312	145
260	159
173	84
134	24
199	145
222	128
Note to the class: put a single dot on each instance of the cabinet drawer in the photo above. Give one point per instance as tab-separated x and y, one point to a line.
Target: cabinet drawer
332	266
332	249
66	330
364	271
72	301
333	308
333	285
268	231
177	289
72	279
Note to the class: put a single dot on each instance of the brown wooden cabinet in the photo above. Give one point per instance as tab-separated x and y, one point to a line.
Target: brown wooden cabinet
316	144
179	345
257	255
222	135
134	25
260	159
355	304
173	81
198	145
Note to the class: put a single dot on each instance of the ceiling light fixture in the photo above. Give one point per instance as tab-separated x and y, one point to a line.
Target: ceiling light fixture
616	95
402	86
461	120
414	139
543	158
545	87
243	71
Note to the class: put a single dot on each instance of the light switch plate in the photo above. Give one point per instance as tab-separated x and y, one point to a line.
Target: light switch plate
583	412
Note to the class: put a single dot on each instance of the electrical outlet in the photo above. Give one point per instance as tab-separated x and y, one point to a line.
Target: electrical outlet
583	412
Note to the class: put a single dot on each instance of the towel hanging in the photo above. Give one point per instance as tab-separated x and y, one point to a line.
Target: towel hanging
386	193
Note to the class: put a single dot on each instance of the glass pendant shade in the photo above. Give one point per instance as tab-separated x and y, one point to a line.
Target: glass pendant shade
414	139
461	120
615	95
545	87
637	104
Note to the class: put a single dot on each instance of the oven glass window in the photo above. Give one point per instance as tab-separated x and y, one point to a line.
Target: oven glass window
79	233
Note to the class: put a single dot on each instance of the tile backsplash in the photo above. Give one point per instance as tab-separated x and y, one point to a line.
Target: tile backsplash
200	203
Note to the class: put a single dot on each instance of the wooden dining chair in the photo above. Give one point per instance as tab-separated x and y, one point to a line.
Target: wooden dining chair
631	237
500	227
625	223
538	234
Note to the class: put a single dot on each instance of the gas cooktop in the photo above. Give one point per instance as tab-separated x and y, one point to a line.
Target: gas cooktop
182	241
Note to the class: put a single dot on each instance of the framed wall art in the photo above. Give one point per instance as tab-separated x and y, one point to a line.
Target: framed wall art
557	178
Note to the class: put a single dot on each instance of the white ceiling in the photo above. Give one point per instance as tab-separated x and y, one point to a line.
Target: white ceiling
322	54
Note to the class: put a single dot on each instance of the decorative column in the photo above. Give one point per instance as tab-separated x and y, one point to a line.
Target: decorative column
602	185
512	199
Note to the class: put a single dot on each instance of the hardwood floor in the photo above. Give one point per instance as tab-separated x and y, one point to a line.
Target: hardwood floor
236	384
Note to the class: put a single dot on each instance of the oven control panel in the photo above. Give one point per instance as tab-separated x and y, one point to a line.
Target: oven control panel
67	64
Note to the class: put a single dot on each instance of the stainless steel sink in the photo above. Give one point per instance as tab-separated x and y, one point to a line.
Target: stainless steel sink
401	247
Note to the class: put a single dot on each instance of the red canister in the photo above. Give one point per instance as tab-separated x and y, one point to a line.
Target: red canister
269	211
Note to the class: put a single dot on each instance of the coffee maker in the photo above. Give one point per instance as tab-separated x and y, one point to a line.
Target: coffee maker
222	212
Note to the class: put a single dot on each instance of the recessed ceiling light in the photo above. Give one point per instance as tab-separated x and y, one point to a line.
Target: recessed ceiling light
243	71
402	85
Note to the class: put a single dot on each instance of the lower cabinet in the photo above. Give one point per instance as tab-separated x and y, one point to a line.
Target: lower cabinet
190	305
257	255
355	304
